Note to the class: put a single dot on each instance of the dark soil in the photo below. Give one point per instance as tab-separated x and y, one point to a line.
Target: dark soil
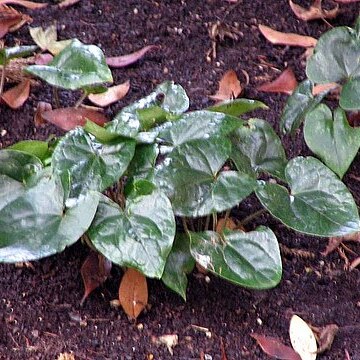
40	315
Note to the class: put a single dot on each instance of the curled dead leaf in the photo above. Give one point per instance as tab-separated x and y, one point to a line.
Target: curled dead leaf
9	17
68	118
113	94
125	60
133	293
28	4
291	39
314	12
229	87
16	96
94	271
286	83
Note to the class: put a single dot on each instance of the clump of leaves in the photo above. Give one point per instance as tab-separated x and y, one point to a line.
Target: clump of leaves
124	184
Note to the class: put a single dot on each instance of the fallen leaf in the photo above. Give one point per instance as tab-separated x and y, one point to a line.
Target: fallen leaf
314	12
94	271
43	37
302	338
66	356
325	336
229	87
43	59
133	293
319	88
334	242
125	60
291	39
28	4
16	96
355	263
222	349
220	226
8	18
68	118
169	341
275	348
113	94
41	107
286	83
67	3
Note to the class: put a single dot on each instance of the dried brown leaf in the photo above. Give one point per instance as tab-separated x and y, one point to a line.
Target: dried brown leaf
43	59
28	4
291	39
94	271
133	293
314	12
286	83
41	107
125	60
67	3
334	242
9	17
16	96
68	118
230	225
275	348
325	336
113	94
319	88
229	87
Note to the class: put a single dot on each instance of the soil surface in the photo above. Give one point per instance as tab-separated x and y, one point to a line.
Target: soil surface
40	315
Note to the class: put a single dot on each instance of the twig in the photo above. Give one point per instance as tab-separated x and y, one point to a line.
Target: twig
252	217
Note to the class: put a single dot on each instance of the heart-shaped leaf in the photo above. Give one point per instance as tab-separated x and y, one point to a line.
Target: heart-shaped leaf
336	58
332	138
318	202
257	146
249	259
178	264
34	223
89	164
75	67
141	236
191	178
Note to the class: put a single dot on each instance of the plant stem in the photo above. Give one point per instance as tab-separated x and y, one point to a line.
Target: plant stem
2	79
252	217
56	97
185	225
227	214
81	99
214	221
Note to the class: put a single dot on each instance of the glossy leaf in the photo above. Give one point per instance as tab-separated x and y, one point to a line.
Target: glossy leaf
257	146
336	59
318	203
237	107
40	149
34	223
178	264
191	178
7	54
298	105
75	67
141	236
143	163
332	138
249	259
168	96
89	164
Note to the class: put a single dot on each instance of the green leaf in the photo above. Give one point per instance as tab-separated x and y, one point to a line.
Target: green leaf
101	133
257	146
151	117
35	224
90	164
178	264
76	67
7	54
143	163
18	165
238	107
197	125
169	97
141	236
332	139
350	95
191	178
299	103
249	259
40	149
318	202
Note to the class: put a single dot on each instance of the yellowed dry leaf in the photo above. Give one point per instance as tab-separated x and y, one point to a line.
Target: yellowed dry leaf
16	96
113	94
285	83
133	293
291	39
229	87
314	12
28	4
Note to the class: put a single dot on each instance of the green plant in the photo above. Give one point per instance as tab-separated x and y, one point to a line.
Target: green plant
123	185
